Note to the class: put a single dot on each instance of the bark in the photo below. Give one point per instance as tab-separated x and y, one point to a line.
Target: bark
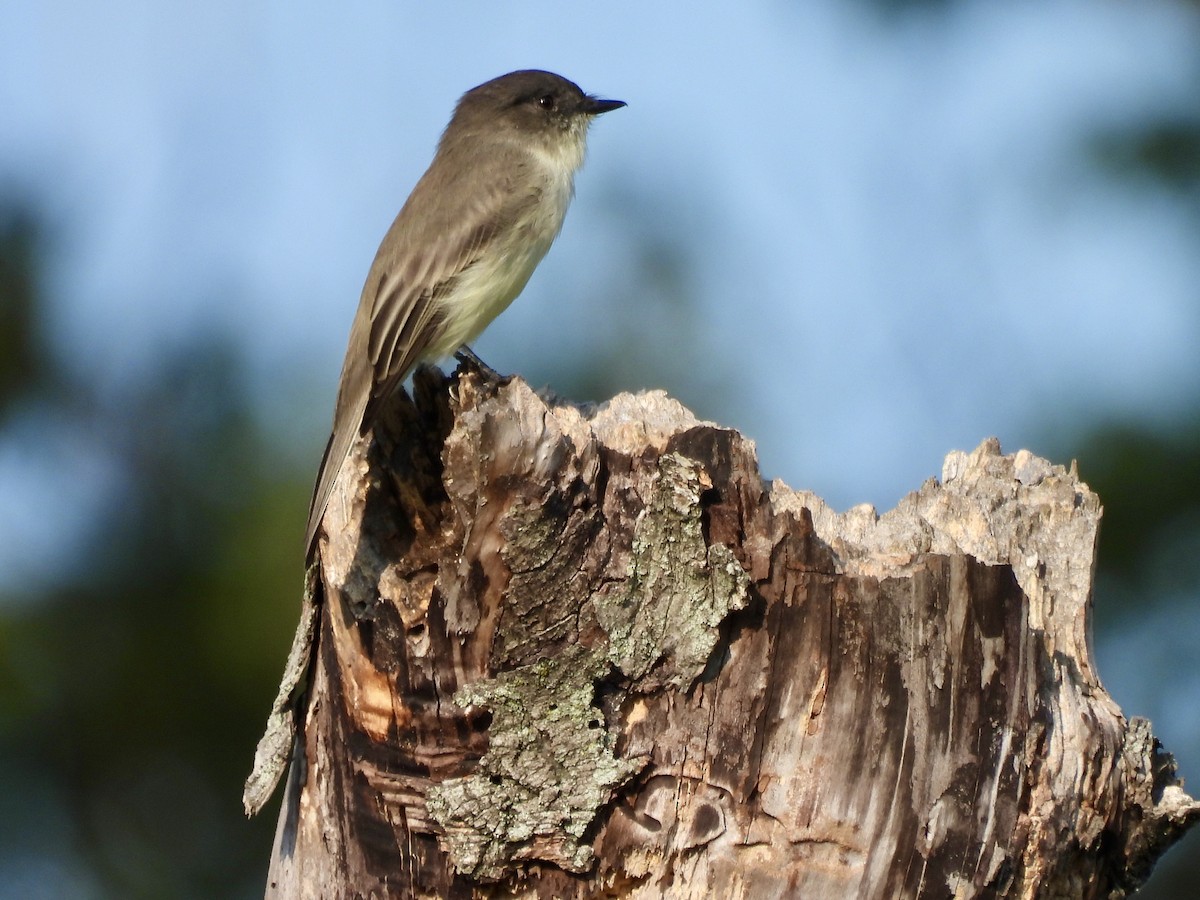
557	651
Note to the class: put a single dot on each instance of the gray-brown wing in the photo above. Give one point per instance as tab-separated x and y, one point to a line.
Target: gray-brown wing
399	316
407	319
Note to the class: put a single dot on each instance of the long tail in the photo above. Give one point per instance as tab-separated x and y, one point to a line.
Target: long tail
336	450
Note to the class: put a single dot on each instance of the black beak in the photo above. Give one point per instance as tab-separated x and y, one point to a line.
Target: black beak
593	106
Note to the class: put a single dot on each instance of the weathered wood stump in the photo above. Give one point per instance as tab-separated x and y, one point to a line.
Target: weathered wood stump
572	652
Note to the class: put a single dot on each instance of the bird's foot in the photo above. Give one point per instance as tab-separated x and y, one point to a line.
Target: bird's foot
469	361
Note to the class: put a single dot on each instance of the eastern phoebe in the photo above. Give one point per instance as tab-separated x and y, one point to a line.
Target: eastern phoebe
471	233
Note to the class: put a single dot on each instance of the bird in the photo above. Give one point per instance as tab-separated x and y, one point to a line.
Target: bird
462	247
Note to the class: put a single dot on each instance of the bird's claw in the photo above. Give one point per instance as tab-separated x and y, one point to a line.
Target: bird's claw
469	361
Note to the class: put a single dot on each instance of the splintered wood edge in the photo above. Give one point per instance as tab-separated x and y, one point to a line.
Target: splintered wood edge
275	747
1015	510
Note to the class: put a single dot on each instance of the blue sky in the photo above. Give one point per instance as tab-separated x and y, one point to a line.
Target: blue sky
894	239
895	243
891	231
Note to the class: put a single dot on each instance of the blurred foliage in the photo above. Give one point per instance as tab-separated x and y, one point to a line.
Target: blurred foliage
1148	473
1148	478
132	693
1167	151
1149	481
21	359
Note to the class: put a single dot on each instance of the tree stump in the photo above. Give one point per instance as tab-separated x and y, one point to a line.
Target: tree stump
562	651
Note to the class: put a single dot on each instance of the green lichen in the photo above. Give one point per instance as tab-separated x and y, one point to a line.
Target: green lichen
664	619
549	767
550	764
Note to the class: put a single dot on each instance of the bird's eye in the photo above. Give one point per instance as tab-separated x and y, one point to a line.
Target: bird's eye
546	101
